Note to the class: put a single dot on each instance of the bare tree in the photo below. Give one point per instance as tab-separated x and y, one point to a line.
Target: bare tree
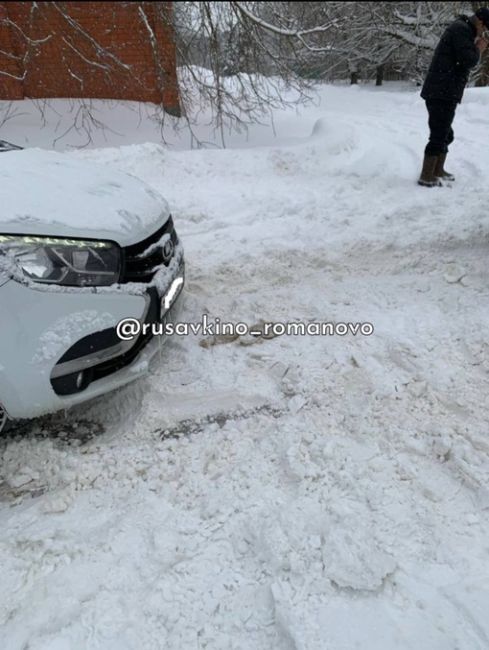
239	60
481	75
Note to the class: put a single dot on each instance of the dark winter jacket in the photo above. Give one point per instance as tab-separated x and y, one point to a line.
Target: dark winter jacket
455	55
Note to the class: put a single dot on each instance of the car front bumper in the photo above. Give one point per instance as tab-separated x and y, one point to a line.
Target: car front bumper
39	328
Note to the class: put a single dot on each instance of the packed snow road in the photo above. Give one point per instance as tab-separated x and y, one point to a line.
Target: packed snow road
306	493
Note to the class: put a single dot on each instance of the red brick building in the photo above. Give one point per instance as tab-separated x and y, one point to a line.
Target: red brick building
104	50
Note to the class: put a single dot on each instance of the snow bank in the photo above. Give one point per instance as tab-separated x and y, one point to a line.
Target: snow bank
296	493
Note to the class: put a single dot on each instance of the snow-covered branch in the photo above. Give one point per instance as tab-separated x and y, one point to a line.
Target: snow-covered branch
275	29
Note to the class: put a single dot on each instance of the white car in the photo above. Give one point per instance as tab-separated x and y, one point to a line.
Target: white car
81	248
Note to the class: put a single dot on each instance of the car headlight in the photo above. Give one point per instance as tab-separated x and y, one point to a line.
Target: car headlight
66	262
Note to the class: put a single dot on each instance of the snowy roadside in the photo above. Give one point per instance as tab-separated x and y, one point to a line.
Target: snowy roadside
303	493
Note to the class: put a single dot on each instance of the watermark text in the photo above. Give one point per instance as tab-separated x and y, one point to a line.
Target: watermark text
129	329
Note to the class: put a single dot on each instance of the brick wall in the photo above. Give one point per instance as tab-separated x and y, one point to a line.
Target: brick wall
105	50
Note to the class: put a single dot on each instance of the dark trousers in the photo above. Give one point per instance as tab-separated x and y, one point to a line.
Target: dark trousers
440	120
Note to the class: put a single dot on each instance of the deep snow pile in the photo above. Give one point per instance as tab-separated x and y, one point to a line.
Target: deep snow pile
296	493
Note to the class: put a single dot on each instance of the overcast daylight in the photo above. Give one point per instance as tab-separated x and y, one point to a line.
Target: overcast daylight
244	306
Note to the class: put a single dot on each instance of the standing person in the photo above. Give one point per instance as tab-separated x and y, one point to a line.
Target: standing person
458	51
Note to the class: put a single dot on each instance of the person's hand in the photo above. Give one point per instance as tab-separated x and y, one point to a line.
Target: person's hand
481	44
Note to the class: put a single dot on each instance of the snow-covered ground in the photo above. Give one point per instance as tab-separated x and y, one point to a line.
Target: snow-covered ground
295	493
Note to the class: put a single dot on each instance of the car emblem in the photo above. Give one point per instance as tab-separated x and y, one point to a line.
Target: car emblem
168	250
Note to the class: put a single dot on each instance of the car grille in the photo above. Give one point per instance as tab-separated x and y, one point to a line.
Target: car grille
140	267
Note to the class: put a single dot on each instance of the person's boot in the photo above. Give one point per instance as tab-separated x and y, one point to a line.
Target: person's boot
440	171
428	178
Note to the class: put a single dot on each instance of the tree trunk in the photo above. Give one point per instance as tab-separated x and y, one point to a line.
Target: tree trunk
353	77
483	76
379	75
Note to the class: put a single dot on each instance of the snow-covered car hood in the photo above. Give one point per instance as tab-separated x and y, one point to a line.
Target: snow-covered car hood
53	194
